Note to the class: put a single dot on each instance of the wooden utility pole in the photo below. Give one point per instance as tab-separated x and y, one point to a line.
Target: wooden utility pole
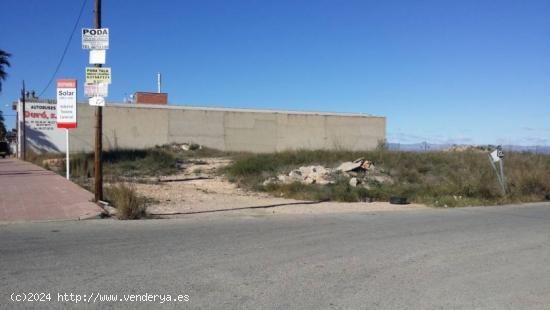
98	186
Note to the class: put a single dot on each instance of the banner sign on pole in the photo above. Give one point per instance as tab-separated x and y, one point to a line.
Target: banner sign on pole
98	75
97	57
96	90
66	103
97	39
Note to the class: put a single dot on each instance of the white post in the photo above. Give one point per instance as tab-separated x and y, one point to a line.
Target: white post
67	155
19	128
158	83
502	176
500	181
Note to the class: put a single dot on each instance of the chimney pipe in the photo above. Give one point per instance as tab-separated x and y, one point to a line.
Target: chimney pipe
158	82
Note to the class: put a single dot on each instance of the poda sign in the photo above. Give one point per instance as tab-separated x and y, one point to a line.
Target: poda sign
96	39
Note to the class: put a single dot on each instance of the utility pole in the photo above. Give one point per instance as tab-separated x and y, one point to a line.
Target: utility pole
23	132
98	171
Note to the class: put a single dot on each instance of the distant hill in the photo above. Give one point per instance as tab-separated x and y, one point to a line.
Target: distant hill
421	147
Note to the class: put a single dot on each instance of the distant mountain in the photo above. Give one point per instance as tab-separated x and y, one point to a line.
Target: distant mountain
421	147
417	147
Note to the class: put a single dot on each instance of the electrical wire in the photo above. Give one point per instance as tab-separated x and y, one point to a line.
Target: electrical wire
65	50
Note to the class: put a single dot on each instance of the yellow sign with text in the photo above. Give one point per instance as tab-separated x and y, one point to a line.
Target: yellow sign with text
98	75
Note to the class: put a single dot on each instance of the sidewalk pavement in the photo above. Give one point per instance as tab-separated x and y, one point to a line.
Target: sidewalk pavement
31	193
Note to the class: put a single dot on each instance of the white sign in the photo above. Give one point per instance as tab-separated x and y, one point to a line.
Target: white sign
494	156
66	104
97	57
97	39
41	132
40	116
500	153
96	90
97	101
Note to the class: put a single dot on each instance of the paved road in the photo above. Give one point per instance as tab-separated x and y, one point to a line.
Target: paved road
470	258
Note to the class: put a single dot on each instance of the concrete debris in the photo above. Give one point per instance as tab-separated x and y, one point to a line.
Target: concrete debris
368	165
295	175
187	146
305	175
111	211
316	175
349	166
283	178
359	172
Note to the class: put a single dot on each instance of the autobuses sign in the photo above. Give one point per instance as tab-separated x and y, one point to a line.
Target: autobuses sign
66	104
40	116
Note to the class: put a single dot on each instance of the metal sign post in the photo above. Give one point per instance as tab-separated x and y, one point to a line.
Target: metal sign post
497	156
23	128
502	177
67	168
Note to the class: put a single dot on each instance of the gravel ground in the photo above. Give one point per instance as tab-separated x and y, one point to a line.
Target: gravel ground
215	193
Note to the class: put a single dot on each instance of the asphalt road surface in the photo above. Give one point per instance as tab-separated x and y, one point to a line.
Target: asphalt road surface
468	258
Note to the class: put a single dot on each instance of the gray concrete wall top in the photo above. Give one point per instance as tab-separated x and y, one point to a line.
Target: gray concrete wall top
220	109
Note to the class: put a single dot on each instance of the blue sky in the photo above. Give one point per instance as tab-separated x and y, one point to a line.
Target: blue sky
469	71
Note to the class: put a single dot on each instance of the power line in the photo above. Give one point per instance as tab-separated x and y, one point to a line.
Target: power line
65	50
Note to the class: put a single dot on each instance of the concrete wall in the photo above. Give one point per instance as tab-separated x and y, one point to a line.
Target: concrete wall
141	126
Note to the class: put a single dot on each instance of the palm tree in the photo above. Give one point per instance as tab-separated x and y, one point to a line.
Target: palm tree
2	127
3	64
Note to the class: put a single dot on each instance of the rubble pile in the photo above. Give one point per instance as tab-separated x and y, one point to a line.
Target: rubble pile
308	175
359	172
185	146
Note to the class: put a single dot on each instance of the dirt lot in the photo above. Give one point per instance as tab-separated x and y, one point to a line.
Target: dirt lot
200	189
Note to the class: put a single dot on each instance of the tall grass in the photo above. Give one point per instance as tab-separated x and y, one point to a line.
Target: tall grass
435	178
127	163
129	205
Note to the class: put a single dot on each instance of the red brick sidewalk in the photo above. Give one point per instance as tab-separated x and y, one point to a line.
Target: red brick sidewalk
28	192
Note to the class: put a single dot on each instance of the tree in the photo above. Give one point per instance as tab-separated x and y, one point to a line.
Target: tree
2	127
3	64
